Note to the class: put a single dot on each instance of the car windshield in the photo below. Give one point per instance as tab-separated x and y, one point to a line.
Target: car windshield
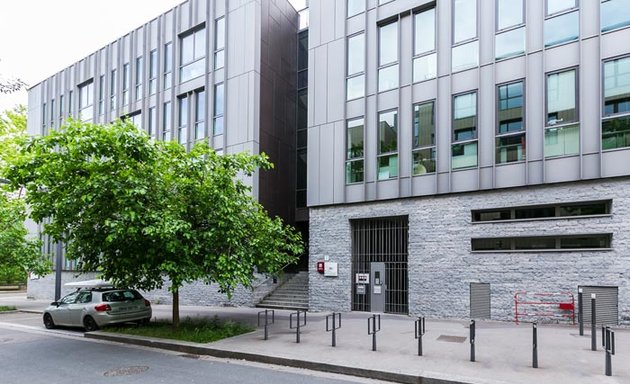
128	294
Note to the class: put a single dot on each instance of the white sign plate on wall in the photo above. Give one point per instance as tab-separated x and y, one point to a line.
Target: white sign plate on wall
330	269
362	278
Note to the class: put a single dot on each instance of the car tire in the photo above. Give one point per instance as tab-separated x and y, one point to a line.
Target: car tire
89	324
48	321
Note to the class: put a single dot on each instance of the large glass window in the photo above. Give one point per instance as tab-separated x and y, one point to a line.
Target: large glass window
355	7
562	134
616	115
86	101
355	83
126	80
354	151
219	44
510	140
182	121
139	77
218	109
423	138
465	56
425	59
152	122
387	145
167	122
509	13
464	20
101	95
510	43
200	115
464	125
614	14
388	57
562	29
192	55
555	6
153	70
168	65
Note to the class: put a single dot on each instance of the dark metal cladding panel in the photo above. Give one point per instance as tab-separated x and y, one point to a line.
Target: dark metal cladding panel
606	304
479	300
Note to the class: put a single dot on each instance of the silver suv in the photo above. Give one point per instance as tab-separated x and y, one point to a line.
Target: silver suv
92	308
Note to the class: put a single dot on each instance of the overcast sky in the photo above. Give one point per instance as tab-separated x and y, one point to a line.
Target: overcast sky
38	38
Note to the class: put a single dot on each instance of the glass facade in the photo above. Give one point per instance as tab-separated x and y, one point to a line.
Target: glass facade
562	134
614	14
192	55
219	103
425	58
510	140
616	108
562	29
219	44
355	7
388	57
355	83
464	126
354	150
387	162
423	138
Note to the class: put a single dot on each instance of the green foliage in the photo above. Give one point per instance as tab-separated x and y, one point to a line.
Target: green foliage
6	308
18	252
138	210
195	330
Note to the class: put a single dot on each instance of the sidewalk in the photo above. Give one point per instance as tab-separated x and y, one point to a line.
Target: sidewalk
503	350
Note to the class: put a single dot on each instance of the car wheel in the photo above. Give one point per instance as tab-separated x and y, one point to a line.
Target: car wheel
48	321
144	321
89	324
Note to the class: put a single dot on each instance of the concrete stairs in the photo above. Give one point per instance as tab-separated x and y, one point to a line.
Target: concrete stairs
292	294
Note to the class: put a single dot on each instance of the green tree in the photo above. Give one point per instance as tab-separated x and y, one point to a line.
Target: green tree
137	210
19	253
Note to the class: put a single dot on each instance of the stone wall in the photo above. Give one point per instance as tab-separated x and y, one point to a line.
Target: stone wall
196	293
441	265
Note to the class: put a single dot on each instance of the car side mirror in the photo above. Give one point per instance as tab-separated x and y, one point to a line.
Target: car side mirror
55	303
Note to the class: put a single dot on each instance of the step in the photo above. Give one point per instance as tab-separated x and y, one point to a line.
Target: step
284	302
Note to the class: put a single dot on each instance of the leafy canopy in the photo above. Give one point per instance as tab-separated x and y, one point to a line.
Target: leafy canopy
138	210
19	253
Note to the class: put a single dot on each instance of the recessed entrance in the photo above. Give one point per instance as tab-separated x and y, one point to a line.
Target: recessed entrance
379	265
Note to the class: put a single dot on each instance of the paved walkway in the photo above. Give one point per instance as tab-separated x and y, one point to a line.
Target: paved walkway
503	350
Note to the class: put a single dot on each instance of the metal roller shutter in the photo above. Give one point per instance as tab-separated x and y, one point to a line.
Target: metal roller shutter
479	300
606	304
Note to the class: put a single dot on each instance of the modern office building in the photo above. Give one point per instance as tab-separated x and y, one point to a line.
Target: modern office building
465	156
223	71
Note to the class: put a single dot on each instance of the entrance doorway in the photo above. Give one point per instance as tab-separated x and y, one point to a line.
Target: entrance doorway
379	265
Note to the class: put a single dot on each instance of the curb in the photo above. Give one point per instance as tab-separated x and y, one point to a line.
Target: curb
199	349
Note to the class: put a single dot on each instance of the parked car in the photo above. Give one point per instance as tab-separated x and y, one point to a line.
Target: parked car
96	304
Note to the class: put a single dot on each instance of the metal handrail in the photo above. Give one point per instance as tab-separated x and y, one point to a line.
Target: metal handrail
281	272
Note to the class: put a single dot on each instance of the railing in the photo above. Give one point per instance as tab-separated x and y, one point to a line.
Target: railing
541	305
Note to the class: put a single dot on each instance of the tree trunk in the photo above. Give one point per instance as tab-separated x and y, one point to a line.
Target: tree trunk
176	309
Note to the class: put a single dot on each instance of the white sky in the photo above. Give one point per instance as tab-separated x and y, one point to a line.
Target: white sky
38	38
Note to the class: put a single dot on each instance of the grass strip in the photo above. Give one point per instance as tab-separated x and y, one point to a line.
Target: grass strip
6	308
198	330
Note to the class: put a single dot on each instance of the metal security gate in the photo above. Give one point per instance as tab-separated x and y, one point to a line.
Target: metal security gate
479	300
382	240
606	304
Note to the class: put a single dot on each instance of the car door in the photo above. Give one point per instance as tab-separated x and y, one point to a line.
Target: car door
60	313
75	310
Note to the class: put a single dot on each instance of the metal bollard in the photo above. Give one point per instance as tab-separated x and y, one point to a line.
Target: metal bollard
373	327
267	323
336	324
593	323
472	340
420	330
298	323
580	312
608	341
535	345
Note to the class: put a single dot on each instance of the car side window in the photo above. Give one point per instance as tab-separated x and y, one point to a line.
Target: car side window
84	297
70	299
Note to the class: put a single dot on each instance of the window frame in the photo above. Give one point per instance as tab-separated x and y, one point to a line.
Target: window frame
523	22
349	160
218	116
627	25
613	116
418	148
219	50
362	10
356	75
396	63
424	54
567	10
380	154
192	33
470	39
522	132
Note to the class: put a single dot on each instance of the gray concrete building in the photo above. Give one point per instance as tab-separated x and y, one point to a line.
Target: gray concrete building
217	70
469	158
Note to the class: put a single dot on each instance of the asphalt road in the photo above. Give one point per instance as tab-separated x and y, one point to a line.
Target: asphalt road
31	354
